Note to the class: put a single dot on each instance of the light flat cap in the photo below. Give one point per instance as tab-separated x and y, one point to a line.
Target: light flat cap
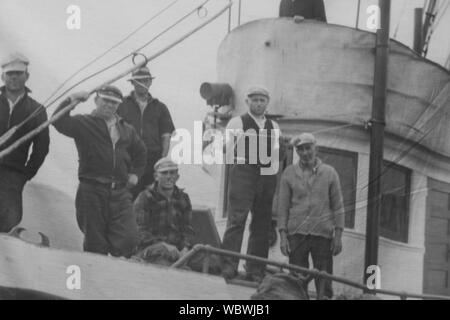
15	62
110	93
258	90
303	138
141	73
165	164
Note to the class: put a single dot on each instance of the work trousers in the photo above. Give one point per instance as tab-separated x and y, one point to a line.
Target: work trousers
107	220
11	187
320	249
248	191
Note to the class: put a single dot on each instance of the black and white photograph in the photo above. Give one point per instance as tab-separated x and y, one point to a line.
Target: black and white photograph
224	150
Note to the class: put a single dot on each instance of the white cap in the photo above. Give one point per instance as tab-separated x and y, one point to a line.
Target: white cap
258	90
165	164
15	62
303	138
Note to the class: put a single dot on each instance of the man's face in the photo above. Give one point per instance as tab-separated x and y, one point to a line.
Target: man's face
167	179
307	153
15	80
106	107
142	86
257	104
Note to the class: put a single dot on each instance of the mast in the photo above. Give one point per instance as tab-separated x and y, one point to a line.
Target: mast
377	124
358	10
418	30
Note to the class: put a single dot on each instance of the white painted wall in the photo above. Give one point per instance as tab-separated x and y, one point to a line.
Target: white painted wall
401	263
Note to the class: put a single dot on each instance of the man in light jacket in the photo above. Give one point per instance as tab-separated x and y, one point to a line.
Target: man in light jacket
311	211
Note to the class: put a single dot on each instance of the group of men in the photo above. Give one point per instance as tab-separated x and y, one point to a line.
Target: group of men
127	201
122	147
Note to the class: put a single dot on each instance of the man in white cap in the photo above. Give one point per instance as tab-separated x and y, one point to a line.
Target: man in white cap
250	189
111	158
152	121
164	214
18	167
311	211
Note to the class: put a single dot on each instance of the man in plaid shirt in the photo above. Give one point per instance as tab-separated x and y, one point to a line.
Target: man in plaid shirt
164	217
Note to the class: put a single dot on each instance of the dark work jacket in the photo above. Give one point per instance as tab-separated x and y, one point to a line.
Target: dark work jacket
309	9
18	160
150	126
98	159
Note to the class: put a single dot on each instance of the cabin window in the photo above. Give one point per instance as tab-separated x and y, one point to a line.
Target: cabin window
395	195
346	165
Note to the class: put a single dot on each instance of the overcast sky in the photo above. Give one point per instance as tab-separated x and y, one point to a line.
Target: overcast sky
38	29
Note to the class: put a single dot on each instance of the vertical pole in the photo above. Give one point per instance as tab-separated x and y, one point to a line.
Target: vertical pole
358	11
418	29
377	136
239	12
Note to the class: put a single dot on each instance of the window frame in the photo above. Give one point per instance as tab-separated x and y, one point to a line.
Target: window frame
355	159
386	233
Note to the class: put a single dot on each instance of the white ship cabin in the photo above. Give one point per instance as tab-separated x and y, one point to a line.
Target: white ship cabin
320	77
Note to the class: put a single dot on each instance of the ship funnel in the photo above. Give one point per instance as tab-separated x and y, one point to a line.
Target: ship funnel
216	94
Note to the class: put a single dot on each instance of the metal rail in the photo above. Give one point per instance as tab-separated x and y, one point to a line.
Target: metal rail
312	273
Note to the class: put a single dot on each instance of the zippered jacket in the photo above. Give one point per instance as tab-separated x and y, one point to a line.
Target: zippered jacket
99	158
19	160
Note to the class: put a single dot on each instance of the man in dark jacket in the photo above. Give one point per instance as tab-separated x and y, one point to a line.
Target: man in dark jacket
16	168
111	158
308	9
151	120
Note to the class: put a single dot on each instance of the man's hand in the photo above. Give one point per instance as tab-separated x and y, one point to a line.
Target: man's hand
284	244
170	247
132	180
184	252
79	96
336	243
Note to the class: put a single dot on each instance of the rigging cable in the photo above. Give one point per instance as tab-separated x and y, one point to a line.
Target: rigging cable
110	49
443	10
400	18
442	94
5	137
73	104
430	16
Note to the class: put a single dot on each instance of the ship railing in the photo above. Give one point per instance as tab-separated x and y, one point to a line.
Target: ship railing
310	273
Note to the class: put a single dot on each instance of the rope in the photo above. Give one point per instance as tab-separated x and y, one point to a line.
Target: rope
14	129
110	49
400	18
439	19
73	104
